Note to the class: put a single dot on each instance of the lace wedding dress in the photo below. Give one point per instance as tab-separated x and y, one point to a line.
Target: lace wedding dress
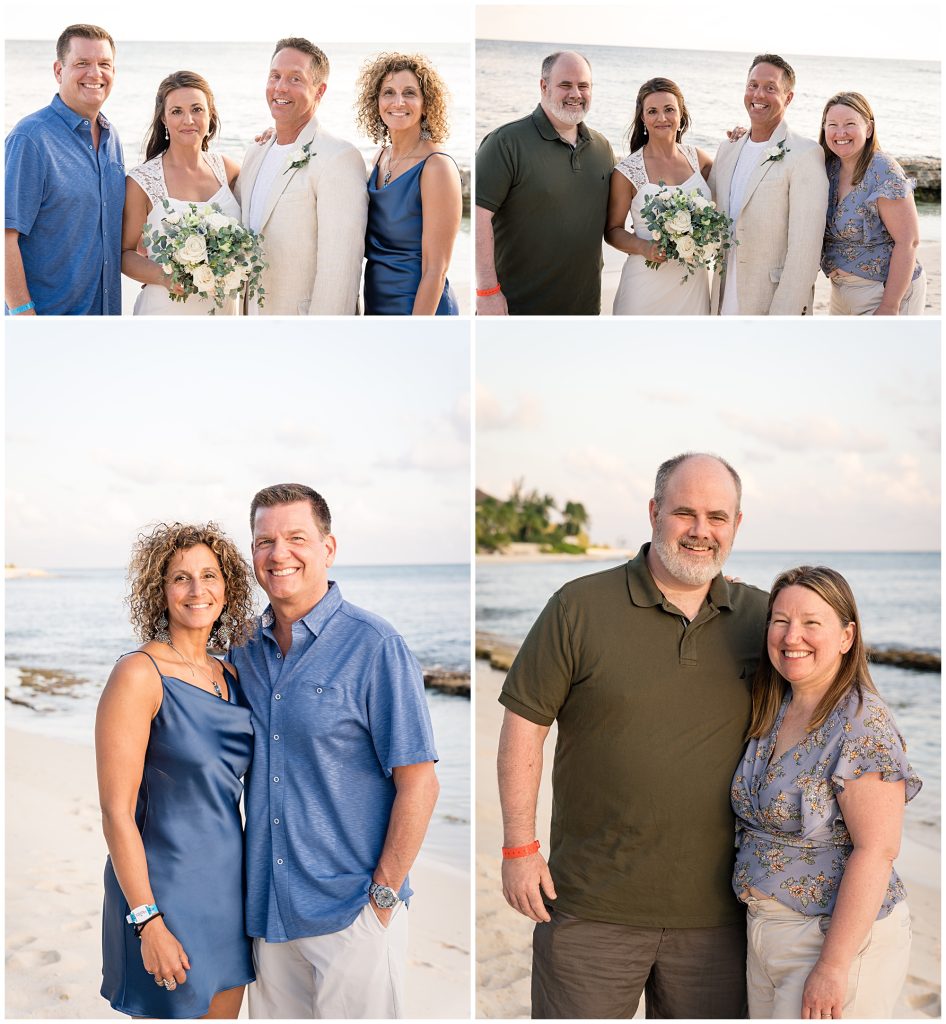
154	299
646	292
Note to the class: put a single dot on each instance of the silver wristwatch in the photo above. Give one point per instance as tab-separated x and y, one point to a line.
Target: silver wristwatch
383	895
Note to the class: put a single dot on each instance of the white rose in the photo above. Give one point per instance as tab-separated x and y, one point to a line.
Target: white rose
679	223
194	250
173	218
234	280
203	278
219	220
686	247
701	202
167	268
297	157
656	236
772	152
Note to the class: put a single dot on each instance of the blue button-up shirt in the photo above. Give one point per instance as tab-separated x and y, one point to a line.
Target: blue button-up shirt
332	719
65	198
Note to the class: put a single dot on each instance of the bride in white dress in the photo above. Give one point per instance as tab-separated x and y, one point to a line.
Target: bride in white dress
180	168
656	155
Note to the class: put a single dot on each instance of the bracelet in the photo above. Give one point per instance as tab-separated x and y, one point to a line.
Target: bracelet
483	292
142	913
25	309
139	928
509	852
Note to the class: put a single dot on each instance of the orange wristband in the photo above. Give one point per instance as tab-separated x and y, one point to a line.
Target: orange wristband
509	852
483	292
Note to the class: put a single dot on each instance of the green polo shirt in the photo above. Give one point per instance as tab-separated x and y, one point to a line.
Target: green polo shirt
550	203
651	715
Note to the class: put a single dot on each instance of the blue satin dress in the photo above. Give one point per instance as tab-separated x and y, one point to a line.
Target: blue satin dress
188	813
393	246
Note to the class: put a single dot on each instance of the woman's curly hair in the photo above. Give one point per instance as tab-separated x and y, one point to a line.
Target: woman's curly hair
432	88
150	558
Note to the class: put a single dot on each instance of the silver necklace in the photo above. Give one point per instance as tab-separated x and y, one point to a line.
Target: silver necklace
400	160
195	670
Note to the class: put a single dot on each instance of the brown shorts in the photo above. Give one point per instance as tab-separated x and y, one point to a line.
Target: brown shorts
590	969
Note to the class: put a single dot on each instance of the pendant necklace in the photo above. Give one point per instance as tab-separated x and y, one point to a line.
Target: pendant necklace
195	670
391	169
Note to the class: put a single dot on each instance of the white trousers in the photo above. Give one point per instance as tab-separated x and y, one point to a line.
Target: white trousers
353	974
784	946
856	296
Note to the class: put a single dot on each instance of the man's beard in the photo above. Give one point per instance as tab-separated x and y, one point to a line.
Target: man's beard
569	113
685	570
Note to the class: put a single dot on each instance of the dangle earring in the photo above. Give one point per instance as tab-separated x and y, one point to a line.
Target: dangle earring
161	633
425	128
167	137
220	637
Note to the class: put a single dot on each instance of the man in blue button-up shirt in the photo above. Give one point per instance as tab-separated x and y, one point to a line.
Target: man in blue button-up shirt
65	188
342	785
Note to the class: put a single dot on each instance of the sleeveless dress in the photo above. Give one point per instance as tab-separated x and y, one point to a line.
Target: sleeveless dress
188	813
393	246
646	292
154	299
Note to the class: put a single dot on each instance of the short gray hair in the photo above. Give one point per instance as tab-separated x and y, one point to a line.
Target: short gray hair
665	471
549	63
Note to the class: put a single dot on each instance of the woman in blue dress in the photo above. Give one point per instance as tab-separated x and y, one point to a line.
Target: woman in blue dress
872	230
414	195
173	739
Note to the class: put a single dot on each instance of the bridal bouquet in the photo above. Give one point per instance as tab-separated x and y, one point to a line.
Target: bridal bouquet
207	253
689	228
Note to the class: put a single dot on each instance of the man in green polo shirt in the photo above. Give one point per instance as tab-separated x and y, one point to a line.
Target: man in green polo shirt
646	668
541	202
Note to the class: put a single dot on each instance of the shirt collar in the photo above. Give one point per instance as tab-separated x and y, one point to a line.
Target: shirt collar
547	131
646	594
316	619
72	119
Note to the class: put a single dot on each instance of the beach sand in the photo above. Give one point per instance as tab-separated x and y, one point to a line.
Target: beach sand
929	255
55	855
504	937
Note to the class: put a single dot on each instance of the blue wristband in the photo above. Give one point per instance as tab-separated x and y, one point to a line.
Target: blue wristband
23	309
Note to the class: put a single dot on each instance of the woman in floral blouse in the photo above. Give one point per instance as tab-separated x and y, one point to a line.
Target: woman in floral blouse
819	799
872	228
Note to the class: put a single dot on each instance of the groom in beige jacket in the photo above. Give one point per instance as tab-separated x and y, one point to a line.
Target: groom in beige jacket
773	184
305	191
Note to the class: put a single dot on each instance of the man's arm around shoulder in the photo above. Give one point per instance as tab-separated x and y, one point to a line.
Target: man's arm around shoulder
519	765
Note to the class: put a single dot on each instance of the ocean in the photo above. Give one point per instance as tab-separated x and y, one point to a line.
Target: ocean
898	597
75	621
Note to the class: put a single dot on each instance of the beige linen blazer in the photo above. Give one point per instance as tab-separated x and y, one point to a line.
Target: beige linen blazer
780	228
313	226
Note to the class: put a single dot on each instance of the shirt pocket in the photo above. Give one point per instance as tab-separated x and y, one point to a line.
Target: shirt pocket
323	709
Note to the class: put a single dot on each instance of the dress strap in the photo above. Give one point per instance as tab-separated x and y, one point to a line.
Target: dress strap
693	158
147	655
440	153
215	161
150	176
632	167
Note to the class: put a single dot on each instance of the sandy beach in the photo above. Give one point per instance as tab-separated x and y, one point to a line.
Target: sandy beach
55	856
504	938
928	253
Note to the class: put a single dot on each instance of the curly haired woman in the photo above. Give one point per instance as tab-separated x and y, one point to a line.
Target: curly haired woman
414	202
173	739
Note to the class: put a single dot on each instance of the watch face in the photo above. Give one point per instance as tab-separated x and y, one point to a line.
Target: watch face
383	896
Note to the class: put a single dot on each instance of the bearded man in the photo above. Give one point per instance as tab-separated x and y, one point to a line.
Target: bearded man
541	202
646	668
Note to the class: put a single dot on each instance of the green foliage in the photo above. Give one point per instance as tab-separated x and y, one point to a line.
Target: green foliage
526	517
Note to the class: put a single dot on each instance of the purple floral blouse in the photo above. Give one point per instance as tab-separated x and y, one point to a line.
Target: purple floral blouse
855	238
791	841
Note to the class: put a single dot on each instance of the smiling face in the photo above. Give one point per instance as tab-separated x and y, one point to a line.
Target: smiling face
566	96
767	96
661	114
694	528
846	132
85	77
194	588
401	101
187	116
291	558
806	640
292	92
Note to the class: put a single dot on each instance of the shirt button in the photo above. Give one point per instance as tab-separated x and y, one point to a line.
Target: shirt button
279	657
279	860
275	778
318	689
278	696
275	821
275	735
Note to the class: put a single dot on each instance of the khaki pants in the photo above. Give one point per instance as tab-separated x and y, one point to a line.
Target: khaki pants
353	974
856	296
591	969
784	946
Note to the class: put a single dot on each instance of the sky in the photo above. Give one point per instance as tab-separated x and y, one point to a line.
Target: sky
320	22
870	28
110	429
834	429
